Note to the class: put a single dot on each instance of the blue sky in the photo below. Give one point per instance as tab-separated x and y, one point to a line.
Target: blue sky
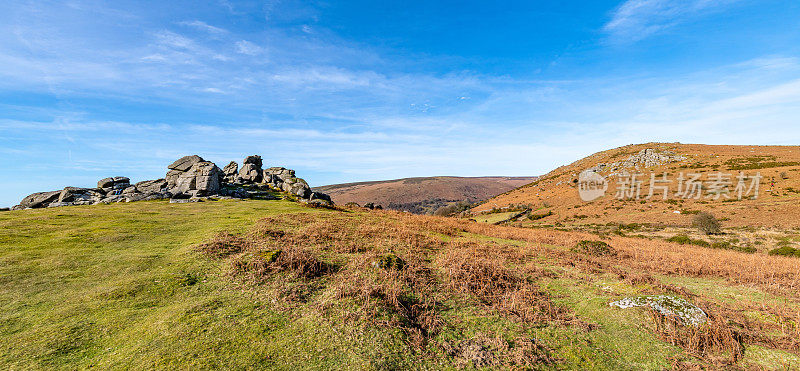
364	90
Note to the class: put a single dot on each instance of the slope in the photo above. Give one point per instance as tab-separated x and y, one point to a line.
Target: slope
555	198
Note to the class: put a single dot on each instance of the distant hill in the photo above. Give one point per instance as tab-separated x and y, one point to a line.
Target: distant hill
422	195
555	199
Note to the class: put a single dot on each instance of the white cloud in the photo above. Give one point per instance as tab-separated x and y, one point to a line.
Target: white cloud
326	76
200	25
638	19
246	47
174	40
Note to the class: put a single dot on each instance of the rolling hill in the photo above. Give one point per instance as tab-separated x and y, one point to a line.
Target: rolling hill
555	197
422	195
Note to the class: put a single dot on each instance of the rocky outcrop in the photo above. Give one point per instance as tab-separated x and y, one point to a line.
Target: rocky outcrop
188	178
647	157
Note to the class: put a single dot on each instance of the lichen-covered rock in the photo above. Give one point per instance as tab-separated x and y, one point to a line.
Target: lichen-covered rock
202	179
185	163
117	182
105	183
276	175
80	196
231	172
688	313
39	199
152	186
297	187
254	159
251	173
172	178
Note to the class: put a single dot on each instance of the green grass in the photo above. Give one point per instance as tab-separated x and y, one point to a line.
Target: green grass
120	286
106	286
494	217
685	240
785	251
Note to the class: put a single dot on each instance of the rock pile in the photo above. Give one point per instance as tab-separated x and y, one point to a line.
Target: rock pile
190	178
647	157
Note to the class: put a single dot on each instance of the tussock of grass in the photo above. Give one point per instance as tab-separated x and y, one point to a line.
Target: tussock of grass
596	248
484	275
685	240
785	251
715	340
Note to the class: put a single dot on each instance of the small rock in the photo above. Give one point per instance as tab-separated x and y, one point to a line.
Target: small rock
687	312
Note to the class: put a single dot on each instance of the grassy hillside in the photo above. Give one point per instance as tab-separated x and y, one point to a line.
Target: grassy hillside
422	195
778	204
272	284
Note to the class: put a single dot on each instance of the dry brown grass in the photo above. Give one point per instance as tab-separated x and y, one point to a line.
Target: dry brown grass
775	273
557	190
401	298
470	268
345	249
332	259
223	245
715	341
258	264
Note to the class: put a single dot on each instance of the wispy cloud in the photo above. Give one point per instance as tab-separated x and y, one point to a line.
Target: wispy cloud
635	20
249	48
200	25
